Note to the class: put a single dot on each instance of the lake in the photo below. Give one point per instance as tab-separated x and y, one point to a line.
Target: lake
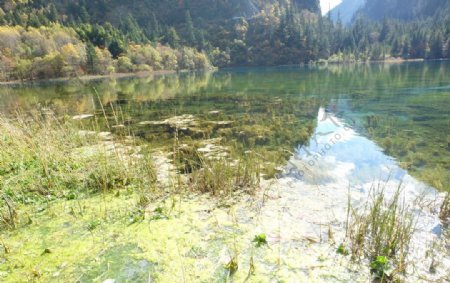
327	140
400	111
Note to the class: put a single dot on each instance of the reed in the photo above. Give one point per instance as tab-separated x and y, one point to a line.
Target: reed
45	157
381	232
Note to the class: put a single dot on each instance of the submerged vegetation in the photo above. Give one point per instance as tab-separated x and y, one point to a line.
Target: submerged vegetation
52	164
182	177
227	176
45	158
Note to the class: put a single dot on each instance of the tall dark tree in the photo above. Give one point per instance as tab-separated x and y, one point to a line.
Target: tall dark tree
116	47
91	58
172	37
190	31
437	46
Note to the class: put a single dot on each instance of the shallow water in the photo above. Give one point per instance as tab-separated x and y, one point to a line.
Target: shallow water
331	132
404	109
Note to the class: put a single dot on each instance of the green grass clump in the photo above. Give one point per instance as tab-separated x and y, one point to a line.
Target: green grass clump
382	230
444	213
260	240
232	266
379	267
342	250
44	158
224	176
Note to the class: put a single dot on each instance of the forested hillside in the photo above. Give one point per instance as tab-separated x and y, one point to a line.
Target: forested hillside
40	39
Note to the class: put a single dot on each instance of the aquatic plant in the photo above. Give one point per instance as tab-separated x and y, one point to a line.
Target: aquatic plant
260	240
379	267
224	176
422	154
136	214
381	229
342	250
444	212
93	224
45	158
8	213
232	266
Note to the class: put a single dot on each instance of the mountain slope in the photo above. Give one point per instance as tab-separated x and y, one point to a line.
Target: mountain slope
394	9
346	10
403	9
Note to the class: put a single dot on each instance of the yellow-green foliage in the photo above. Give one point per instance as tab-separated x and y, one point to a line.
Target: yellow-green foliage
43	52
45	158
224	176
57	51
382	229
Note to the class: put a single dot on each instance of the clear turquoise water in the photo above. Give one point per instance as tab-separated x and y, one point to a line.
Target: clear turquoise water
404	109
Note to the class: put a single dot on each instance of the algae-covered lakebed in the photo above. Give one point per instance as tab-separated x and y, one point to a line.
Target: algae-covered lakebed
312	174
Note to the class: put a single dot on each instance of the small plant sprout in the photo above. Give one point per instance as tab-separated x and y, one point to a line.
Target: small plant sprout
5	247
93	224
380	268
159	213
342	250
260	240
382	228
232	265
444	213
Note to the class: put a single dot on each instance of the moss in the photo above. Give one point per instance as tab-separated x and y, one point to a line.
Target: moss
188	244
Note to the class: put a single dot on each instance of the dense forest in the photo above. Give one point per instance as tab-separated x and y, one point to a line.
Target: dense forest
42	39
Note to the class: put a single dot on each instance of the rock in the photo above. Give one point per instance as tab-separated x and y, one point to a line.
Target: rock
119	129
156	123
277	101
186	124
87	133
214	112
183	121
180	122
82	116
107	136
120	126
223	124
212	151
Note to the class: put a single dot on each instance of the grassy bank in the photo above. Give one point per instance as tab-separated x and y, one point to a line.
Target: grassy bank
66	188
45	158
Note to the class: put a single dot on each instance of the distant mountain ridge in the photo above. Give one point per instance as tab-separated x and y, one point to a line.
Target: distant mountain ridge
403	9
346	10
395	9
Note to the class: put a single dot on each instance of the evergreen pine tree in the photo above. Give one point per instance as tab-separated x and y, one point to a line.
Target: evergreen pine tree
190	29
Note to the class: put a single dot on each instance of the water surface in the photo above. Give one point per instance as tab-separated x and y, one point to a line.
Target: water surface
326	133
402	110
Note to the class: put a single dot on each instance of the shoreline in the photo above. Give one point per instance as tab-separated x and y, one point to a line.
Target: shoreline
91	77
392	60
